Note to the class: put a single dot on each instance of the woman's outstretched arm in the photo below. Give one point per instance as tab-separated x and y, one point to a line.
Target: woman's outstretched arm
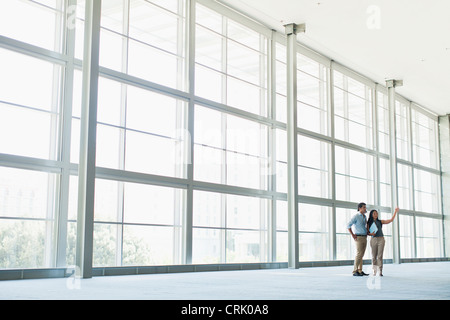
391	219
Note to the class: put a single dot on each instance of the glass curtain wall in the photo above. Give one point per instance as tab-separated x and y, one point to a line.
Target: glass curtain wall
31	107
231	143
212	152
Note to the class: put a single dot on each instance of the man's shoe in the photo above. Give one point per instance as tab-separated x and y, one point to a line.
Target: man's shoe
357	274
363	273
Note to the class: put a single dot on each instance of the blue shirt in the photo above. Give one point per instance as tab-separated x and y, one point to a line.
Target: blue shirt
359	221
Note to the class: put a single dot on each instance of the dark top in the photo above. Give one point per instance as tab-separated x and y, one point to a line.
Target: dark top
379	226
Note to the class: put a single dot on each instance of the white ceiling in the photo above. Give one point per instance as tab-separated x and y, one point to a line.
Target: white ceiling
406	40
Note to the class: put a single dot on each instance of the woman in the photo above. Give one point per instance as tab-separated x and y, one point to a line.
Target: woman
377	241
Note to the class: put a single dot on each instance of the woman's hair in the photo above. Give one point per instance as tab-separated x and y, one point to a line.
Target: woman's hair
371	220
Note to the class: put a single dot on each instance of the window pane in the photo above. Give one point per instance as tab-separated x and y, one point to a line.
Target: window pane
151	46
313	224
154	25
208	48
111	52
106	247
424	137
354	176
24	244
208	163
245	96
124	212
282	246
32	22
281	230
383	122
353	111
426	191
281	82
313	175
244	247
241	147
151	204
71	248
311	95
311	118
79	30
243	35
153	64
229	228
38	78
231	63
75	142
313	218
147	153
404	175
154	113
146	132
108	147
208	18
73	199
281	215
243	63
29	132
107	200
207	212
406	236
109	101
281	160
208	127
402	130
206	245
207	209
208	159
112	15
428	235
314	247
208	84
385	182
245	212
25	195
147	245
30	121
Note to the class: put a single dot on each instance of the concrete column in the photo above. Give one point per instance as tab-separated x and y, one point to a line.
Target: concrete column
187	225
391	84
291	32
88	131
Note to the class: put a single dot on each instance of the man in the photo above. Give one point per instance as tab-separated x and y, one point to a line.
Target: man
359	222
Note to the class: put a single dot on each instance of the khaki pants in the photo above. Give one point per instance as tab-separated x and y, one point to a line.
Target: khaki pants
377	244
361	244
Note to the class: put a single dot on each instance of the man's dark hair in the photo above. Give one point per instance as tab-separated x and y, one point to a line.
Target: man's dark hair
361	205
